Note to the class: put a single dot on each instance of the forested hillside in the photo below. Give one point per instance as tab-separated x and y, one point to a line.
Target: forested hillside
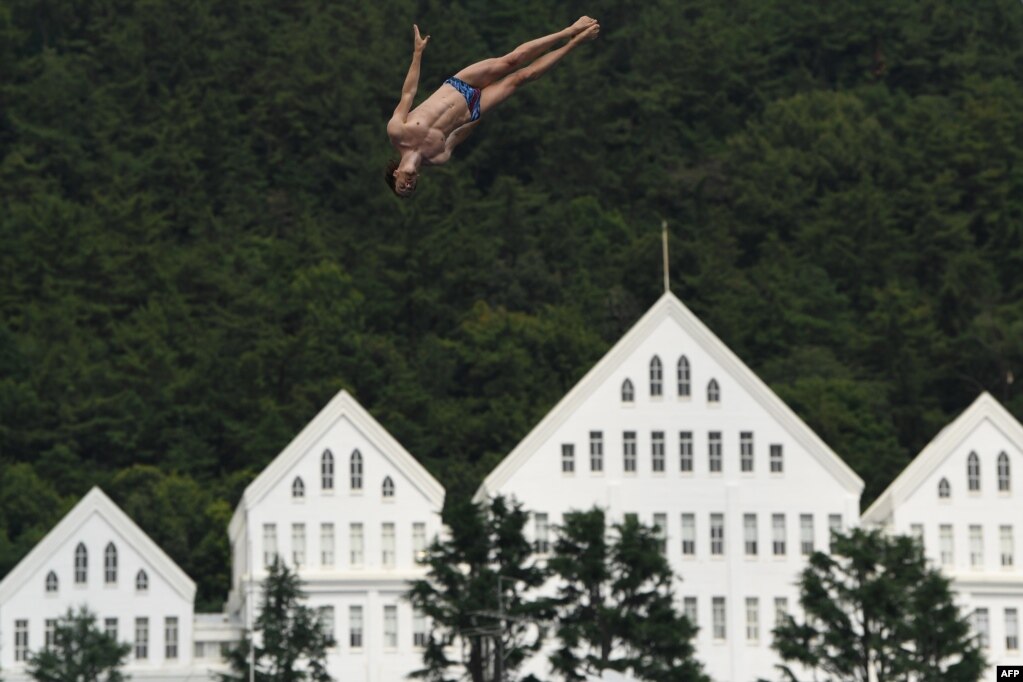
197	249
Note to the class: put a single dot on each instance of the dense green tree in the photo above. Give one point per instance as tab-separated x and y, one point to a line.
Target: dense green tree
615	604
80	652
874	610
482	569
293	640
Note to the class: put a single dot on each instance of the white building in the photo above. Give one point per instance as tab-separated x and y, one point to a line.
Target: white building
961	496
348	506
670	425
96	556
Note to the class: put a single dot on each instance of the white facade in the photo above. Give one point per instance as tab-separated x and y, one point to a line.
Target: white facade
96	556
962	496
696	456
350	508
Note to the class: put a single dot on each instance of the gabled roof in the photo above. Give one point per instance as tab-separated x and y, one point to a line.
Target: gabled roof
96	503
341	406
984	408
670	307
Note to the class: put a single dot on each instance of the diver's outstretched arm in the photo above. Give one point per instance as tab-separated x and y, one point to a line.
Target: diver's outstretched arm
408	90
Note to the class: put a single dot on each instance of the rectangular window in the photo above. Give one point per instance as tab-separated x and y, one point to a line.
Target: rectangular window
806	534
834	526
714	451
355	543
689	535
778	534
110	628
947	546
49	633
20	640
717	534
777	463
170	637
387	545
1011	630
916	531
629	451
418	629
543	540
596	450
418	542
685	450
269	543
298	544
982	627
689	609
746	451
781	609
657	451
141	639
355	627
720	631
568	458
976	546
661	531
326	544
325	615
391	627
1008	549
752	619
749	530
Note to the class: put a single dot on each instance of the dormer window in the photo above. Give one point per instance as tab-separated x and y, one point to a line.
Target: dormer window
683	377
110	564
297	488
327	470
628	393
973	472
355	470
944	489
713	392
388	488
1003	473
141	581
656	377
81	564
51	582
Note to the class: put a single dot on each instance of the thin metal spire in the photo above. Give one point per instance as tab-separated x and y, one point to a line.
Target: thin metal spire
664	247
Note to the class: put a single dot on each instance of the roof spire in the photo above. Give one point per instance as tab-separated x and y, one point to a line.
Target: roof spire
664	248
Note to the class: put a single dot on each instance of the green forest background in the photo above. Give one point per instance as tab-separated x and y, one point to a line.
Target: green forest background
197	249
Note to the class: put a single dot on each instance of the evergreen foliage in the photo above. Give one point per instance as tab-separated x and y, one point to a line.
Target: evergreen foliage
485	558
80	652
294	641
197	252
874	610
615	608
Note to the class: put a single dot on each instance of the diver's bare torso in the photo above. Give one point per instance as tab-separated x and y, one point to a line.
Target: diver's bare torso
428	126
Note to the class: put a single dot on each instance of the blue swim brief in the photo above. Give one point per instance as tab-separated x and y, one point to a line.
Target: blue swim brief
471	94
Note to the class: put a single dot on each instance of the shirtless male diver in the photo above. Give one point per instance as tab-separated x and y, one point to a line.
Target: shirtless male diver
429	133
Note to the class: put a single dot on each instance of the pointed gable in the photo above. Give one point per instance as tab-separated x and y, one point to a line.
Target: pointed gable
984	419
659	374
343	414
62	539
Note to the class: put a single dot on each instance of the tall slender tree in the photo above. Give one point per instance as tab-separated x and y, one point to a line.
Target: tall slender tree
477	594
294	640
615	605
874	610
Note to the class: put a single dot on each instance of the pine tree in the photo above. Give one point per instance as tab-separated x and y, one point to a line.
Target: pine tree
614	607
874	610
483	568
80	652
294	640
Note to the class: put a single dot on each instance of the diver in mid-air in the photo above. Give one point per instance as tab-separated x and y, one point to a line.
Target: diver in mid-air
429	133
